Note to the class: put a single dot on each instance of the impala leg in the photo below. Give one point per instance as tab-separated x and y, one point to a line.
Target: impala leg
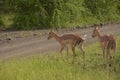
108	56
67	53
83	52
104	59
103	45
73	50
114	55
104	55
114	58
61	51
114	51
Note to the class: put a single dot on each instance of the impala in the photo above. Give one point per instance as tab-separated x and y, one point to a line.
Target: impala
69	39
107	42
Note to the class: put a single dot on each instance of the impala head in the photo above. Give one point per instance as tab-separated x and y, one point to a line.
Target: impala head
50	35
95	32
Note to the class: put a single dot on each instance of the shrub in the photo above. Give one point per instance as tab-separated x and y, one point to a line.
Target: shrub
31	21
34	14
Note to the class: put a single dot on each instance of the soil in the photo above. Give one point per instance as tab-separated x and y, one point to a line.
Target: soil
27	43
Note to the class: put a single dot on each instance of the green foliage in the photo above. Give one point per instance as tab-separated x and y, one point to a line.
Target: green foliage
31	21
25	21
34	14
31	15
104	10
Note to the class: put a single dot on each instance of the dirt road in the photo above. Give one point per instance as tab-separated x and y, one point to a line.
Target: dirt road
32	45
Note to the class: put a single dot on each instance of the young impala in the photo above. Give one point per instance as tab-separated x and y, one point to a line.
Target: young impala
68	39
108	42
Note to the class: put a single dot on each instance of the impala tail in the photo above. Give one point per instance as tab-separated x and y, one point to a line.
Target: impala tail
84	37
79	41
112	45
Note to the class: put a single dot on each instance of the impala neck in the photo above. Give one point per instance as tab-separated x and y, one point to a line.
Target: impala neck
99	35
57	37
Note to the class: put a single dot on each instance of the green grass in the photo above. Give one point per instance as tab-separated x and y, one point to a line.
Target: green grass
52	67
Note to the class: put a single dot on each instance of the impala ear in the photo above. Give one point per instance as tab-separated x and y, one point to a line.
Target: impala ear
55	29
96	27
100	25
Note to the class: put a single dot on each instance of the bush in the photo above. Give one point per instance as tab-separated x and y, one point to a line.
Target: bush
34	14
104	10
31	21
